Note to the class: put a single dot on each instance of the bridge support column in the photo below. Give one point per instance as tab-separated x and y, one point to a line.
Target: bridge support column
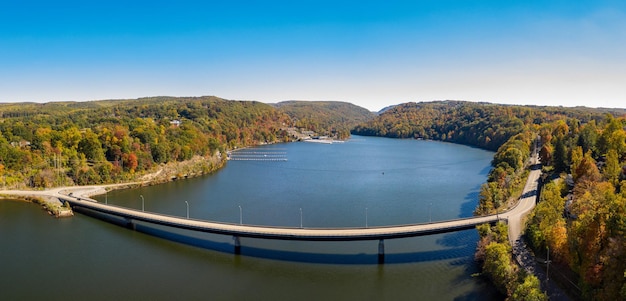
130	224
237	243
381	251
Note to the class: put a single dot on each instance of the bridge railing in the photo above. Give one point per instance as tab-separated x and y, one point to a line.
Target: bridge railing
88	202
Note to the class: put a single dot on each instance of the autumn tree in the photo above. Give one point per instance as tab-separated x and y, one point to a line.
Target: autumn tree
547	227
588	137
612	169
545	154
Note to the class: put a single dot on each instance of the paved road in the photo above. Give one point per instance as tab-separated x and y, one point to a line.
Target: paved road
526	203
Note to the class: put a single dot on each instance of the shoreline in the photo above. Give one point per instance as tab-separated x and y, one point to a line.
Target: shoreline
49	201
161	176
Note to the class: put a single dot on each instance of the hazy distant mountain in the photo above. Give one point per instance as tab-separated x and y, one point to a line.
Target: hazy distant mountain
326	117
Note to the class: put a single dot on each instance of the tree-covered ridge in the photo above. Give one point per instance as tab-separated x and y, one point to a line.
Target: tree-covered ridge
104	141
483	125
326	117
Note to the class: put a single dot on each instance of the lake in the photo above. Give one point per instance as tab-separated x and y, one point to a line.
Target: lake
366	181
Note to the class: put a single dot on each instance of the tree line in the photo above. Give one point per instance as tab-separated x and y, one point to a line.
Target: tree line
43	145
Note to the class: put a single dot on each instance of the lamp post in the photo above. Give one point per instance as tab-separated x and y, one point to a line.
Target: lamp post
548	265
430	219
187	203
365	217
142	203
240	216
300	217
106	197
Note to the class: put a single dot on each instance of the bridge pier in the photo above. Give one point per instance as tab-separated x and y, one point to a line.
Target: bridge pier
130	224
381	251
237	243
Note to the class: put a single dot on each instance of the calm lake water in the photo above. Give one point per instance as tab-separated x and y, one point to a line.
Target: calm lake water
373	181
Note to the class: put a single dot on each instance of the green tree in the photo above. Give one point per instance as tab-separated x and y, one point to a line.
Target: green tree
529	290
159	152
612	169
491	198
560	155
91	146
577	158
499	268
613	137
588	137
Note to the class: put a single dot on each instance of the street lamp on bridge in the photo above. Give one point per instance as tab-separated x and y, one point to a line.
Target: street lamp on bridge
142	202
240	215
430	218
187	203
300	217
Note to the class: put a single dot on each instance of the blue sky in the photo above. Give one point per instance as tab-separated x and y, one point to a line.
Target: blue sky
370	53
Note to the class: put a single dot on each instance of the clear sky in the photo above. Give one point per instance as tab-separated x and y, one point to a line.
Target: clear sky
370	53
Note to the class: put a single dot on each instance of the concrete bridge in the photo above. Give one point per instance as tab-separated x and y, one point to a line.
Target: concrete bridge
513	217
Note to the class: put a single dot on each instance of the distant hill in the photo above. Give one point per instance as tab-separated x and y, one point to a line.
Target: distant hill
483	125
325	117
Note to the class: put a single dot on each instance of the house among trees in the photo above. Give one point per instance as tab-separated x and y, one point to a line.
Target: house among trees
21	144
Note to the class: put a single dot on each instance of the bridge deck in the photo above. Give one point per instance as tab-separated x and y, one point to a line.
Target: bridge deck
513	216
284	233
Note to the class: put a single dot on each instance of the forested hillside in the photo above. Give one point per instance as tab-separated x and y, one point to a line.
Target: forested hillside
483	125
326	117
580	219
49	144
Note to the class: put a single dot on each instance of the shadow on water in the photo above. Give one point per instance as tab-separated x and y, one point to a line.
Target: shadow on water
458	247
485	171
326	258
470	202
466	240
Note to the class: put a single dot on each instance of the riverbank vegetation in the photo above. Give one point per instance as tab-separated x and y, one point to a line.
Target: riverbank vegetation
494	254
66	143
